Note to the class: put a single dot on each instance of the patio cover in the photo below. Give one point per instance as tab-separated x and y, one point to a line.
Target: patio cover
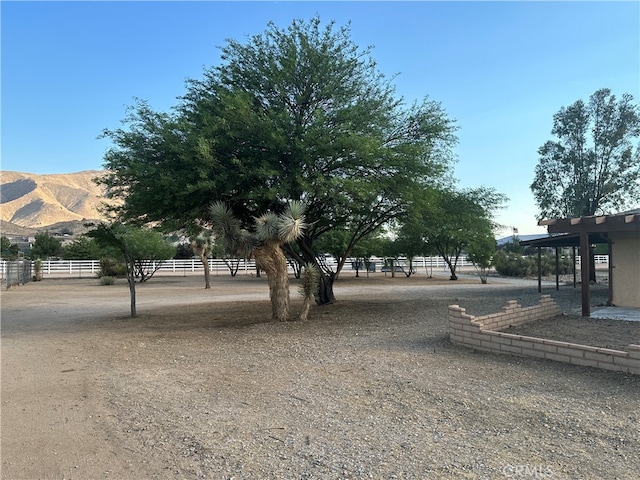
584	232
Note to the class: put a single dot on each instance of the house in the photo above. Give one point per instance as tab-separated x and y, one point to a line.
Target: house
621	232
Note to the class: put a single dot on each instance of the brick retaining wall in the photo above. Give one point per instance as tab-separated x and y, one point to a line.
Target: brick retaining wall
483	333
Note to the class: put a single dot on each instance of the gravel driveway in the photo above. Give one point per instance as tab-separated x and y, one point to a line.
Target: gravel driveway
202	385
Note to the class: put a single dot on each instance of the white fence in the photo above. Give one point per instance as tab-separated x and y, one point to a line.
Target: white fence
90	268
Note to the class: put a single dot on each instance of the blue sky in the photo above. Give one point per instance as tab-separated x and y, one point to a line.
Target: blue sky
501	69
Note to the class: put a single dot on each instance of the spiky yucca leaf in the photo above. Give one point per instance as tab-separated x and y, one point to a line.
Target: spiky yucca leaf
296	209
292	224
223	218
245	243
267	227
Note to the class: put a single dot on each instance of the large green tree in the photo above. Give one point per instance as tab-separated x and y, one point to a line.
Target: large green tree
295	114
592	167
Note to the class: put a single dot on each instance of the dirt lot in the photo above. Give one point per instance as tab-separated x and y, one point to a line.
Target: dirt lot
202	385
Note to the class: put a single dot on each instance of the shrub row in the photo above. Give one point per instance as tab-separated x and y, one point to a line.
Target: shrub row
515	265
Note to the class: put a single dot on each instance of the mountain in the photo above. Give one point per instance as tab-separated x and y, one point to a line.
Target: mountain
33	201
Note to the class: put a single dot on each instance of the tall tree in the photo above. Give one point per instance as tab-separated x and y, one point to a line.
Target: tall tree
297	114
592	167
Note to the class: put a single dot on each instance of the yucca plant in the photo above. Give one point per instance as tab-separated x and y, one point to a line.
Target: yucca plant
202	246
264	243
309	287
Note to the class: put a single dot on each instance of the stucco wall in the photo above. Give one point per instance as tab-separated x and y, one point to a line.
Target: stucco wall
626	269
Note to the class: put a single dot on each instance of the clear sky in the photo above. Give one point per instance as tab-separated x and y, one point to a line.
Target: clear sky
501	69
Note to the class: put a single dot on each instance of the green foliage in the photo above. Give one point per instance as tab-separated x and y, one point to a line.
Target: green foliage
515	265
5	243
45	246
513	246
300	114
82	248
481	252
309	286
592	168
310	279
142	250
107	280
112	267
184	251
37	270
451	221
8	250
264	242
267	228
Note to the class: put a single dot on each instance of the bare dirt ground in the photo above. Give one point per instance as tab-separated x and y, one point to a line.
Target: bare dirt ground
202	385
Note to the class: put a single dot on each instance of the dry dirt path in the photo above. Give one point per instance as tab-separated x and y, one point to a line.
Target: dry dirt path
200	386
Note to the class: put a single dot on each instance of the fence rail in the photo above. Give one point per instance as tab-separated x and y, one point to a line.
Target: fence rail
11	272
91	268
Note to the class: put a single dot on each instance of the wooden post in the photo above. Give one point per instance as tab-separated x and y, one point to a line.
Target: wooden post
557	268
573	258
584	272
610	245
539	270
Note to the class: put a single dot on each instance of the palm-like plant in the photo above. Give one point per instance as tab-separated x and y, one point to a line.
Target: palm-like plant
202	245
264	243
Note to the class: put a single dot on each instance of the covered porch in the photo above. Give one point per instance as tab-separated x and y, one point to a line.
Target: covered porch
621	232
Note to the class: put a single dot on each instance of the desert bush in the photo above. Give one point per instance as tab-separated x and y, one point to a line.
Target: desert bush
107	280
37	270
511	264
111	267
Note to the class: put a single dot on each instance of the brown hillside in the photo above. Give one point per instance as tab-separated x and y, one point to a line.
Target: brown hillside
36	201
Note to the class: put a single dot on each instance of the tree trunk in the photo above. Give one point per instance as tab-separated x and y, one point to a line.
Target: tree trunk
325	289
452	268
207	273
271	259
325	282
201	250
132	289
592	265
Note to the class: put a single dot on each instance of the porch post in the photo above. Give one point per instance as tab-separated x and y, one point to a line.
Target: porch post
584	272
539	270
610	268
573	258
557	268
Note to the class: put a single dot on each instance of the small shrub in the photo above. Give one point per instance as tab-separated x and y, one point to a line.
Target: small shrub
309	287
107	280
37	270
110	267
